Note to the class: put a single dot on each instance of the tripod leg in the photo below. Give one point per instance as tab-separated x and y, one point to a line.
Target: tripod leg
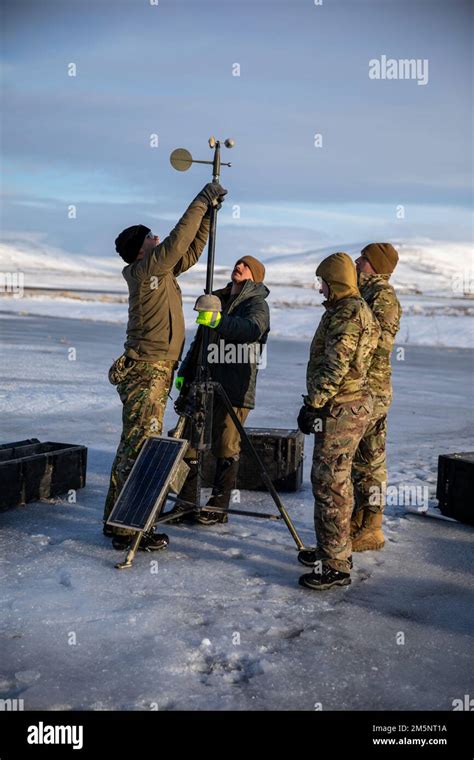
198	480
130	554
180	426
265	476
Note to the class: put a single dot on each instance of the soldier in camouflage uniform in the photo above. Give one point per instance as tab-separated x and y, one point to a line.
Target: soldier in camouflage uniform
155	337
375	265
143	388
337	409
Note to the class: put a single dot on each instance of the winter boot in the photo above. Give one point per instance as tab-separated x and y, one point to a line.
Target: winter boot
369	537
121	543
224	481
150	542
356	522
153	542
188	493
309	557
327	578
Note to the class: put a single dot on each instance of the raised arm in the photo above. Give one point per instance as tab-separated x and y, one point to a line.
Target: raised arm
195	249
165	256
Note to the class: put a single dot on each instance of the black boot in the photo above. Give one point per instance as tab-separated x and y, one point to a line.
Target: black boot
309	557
150	542
188	493
224	482
327	578
120	543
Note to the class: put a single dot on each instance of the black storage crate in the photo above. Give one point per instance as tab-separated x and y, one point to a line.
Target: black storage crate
456	486
281	452
30	470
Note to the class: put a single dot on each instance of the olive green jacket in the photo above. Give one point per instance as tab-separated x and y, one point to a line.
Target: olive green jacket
155	329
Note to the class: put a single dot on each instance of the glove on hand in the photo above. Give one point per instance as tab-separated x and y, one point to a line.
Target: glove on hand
212	194
308	419
209	318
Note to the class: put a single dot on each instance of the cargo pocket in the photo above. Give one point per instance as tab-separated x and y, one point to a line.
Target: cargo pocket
120	369
332	420
362	408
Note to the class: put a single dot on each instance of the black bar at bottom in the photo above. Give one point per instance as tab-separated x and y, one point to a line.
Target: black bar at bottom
374	734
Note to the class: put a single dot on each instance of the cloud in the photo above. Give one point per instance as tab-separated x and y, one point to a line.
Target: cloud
144	70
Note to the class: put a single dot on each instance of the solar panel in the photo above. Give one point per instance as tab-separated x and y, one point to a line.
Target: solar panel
145	491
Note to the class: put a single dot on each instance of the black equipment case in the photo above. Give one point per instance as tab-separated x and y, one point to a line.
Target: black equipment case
30	470
455	486
281	452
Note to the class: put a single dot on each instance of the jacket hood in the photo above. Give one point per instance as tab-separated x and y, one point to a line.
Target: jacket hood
249	290
340	274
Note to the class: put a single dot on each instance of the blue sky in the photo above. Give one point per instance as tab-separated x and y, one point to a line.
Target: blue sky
167	69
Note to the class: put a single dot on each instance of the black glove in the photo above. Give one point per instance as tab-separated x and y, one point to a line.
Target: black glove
212	194
308	419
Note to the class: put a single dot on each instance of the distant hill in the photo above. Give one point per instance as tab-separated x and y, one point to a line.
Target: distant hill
427	267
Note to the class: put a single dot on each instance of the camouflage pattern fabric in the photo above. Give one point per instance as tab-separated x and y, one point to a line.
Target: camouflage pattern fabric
341	352
340	356
370	467
143	388
381	297
342	428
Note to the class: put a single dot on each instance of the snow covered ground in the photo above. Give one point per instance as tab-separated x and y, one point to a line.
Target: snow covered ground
435	282
223	624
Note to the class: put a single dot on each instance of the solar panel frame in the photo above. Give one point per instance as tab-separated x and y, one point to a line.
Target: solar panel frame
150	492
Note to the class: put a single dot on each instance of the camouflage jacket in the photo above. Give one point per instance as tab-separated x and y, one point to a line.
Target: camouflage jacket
381	297
341	353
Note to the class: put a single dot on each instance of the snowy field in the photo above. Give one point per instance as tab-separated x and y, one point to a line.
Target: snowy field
434	280
223	624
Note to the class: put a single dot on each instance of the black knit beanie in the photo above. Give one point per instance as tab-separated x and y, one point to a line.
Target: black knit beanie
130	241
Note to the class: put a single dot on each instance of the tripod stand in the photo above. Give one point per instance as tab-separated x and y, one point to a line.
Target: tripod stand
203	389
197	408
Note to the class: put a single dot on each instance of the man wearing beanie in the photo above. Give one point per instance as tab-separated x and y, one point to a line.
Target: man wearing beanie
375	265
337	409
239	332
155	337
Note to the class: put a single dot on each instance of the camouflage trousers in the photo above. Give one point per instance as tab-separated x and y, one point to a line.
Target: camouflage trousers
143	388
343	426
369	469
